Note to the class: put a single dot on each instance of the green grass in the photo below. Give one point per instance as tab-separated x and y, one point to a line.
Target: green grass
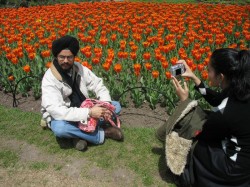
8	158
141	152
39	165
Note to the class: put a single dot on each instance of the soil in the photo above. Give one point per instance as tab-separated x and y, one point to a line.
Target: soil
130	116
71	172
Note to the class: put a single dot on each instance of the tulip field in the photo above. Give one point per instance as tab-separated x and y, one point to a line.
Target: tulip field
131	45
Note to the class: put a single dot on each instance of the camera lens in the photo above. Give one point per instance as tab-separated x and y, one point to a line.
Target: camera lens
178	71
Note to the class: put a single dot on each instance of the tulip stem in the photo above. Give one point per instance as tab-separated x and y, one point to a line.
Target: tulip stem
15	103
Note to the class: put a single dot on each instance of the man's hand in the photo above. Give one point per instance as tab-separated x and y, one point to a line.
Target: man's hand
181	92
100	112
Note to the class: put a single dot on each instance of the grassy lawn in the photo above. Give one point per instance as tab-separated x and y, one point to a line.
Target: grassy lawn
141	152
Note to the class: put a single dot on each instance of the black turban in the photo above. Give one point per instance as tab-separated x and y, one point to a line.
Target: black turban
65	42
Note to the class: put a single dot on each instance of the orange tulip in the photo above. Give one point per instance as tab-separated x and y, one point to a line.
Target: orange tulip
11	78
193	67
26	68
170	37
123	42
179	36
137	37
204	74
186	43
174	60
10	56
234	45
134	48
45	54
103	41
133	55
85	63
122	47
20	54
146	56
106	66
168	75
189	62
118	68
197	56
113	37
77	59
88	54
197	46
210	41
183	56
97	50
95	60
148	66
131	43
125	35
32	56
48	64
98	54
89	67
200	67
137	67
109	60
155	74
2	41
158	55
206	61
14	60
145	44
164	64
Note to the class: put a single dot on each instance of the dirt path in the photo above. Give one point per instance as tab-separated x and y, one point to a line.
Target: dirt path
72	172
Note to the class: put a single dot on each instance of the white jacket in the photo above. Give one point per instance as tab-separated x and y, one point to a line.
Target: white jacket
55	92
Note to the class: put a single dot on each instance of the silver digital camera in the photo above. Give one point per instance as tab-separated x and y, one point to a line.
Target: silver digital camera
177	69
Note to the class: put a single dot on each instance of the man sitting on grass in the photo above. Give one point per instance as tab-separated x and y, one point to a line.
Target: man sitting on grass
65	86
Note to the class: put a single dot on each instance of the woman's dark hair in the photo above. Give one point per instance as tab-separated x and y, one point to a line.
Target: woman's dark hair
235	66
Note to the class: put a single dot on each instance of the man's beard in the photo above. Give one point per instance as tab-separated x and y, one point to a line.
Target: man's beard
66	67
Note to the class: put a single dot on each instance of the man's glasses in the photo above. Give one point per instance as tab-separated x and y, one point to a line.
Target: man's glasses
69	58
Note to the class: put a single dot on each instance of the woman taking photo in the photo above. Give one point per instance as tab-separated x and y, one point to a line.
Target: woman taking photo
222	154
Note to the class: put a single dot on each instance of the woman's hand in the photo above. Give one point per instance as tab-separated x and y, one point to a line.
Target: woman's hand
181	92
189	73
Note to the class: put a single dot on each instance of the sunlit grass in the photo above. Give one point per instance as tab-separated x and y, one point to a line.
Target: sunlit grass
8	158
141	152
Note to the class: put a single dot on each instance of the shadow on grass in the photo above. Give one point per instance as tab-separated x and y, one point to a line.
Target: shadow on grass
164	172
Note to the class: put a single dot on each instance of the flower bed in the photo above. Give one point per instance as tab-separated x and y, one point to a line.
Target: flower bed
130	44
